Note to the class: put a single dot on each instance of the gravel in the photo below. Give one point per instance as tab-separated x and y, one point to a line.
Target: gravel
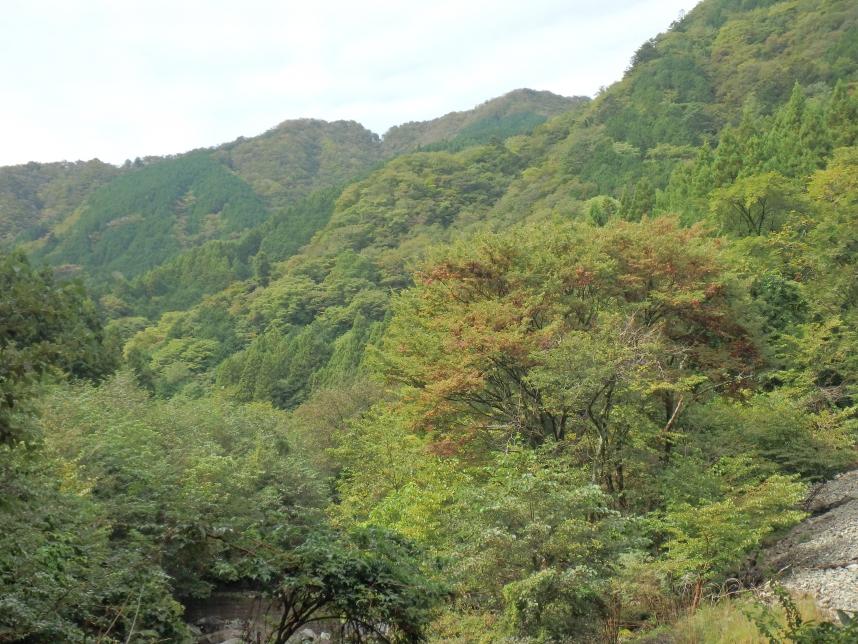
819	556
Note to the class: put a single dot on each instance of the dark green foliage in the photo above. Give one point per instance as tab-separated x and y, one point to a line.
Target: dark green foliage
45	326
185	279
63	577
368	579
284	234
181	282
842	116
262	268
587	362
638	201
145	217
782	301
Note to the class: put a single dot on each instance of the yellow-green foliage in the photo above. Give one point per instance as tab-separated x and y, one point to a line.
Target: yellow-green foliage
731	622
38	196
589	369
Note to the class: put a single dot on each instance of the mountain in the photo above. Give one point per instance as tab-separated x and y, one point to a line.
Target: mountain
144	217
723	59
107	221
517	112
585	161
160	207
164	236
36	196
520	377
291	160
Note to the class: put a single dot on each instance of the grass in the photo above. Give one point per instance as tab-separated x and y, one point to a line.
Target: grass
729	622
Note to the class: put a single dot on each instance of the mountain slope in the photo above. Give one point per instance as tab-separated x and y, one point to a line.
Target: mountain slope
723	59
516	112
583	374
145	217
571	166
291	160
36	196
162	207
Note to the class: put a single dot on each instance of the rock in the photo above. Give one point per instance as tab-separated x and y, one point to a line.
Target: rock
229	615
218	637
307	635
837	491
208	624
820	555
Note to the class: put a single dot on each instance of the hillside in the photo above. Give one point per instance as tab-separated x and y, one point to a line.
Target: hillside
36	196
162	207
517	112
722	60
143	218
295	158
77	218
570	166
549	370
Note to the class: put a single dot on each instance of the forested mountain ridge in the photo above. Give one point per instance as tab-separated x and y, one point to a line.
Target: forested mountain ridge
553	384
719	61
517	112
296	157
169	205
174	204
570	164
34	197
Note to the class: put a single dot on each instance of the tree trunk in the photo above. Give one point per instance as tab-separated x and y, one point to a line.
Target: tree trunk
697	595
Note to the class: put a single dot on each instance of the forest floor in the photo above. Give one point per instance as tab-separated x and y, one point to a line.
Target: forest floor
819	557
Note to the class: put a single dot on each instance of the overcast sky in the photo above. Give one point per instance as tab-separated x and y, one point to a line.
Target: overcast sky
118	79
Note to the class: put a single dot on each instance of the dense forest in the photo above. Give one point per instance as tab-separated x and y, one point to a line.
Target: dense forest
550	370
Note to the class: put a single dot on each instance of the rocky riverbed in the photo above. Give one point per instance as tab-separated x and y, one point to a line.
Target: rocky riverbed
819	556
244	617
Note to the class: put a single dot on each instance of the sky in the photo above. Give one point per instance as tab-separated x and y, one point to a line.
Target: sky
117	79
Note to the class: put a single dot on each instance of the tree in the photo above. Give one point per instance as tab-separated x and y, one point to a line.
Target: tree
546	334
44	326
638	202
62	576
262	268
842	115
707	539
755	205
172	475
536	540
368	579
601	209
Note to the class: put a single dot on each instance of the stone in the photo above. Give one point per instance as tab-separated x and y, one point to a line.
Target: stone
218	637
819	556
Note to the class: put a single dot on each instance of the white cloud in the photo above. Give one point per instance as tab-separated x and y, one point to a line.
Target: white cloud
97	78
